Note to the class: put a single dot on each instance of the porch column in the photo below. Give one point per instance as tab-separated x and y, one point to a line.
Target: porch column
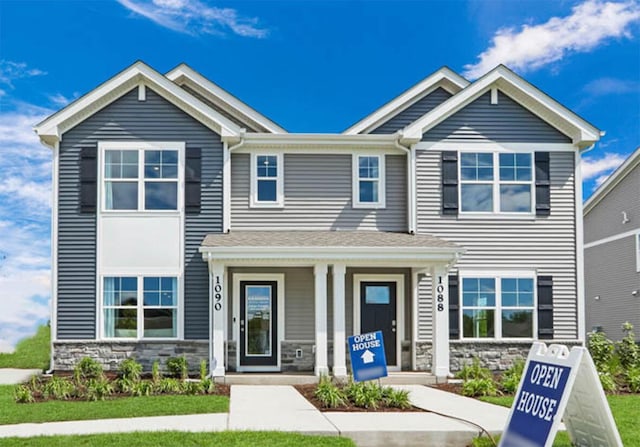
339	340
217	302
440	281
320	272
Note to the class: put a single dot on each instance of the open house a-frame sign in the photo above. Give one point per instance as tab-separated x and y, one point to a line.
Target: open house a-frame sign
558	384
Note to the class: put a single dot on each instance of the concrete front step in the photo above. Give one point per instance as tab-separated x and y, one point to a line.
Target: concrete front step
394	378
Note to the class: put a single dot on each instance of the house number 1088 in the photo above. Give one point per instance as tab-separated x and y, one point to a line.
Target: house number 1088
217	297
440	295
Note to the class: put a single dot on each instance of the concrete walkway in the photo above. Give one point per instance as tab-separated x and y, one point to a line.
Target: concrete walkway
282	408
10	376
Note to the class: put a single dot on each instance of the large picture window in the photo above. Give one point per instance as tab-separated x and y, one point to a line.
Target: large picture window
141	179
496	307
140	307
368	181
496	182
267	189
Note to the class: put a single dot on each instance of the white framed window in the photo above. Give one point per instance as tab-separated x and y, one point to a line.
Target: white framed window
638	252
496	183
141	176
368	181
498	306
140	307
267	188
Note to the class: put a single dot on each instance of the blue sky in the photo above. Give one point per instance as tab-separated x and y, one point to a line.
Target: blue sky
311	66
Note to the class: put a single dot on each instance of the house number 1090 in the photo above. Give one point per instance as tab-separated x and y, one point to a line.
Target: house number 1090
440	295
217	297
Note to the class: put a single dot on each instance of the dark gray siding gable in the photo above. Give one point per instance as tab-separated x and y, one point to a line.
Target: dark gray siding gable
505	121
414	111
128	119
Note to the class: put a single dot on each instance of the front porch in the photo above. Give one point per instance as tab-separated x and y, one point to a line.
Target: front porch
283	302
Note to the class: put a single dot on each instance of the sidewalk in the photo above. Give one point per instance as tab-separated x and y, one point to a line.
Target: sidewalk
10	376
282	408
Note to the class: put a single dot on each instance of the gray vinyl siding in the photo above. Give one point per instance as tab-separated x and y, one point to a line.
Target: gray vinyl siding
506	121
605	219
610	273
546	244
414	111
128	119
317	196
425	308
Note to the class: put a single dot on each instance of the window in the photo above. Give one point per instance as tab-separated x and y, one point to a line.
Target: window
498	307
368	181
141	179
128	316
485	189
267	180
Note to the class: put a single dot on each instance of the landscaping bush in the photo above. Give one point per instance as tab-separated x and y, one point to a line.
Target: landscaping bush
329	394
169	385
57	388
627	349
512	376
86	369
364	394
479	387
602	350
178	367
633	379
98	389
130	369
23	394
155	372
474	371
396	398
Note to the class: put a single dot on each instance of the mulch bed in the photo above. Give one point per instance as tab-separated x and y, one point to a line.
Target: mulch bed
449	387
308	391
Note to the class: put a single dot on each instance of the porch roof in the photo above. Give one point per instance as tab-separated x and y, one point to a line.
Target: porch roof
372	246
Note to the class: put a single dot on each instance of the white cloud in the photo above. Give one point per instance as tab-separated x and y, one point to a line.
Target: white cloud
195	18
611	86
532	46
59	100
598	167
10	71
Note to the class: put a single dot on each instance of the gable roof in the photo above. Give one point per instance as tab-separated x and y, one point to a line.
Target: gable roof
580	131
185	75
618	175
52	128
444	77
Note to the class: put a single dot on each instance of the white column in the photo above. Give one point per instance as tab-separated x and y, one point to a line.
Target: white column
217	302
415	281
440	321
320	272
339	336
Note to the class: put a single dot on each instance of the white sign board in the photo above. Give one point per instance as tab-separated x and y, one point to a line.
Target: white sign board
560	385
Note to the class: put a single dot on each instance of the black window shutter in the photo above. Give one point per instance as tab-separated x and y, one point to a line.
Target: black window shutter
454	307
88	179
450	182
545	307
543	184
192	177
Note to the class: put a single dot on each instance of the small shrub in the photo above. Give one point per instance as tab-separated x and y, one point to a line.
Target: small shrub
191	387
142	388
155	372
479	387
57	388
169	385
23	394
474	371
208	386
364	394
203	370
396	398
130	369
86	369
329	395
627	349
512	376
125	385
98	389
601	349
633	379
608	382
178	367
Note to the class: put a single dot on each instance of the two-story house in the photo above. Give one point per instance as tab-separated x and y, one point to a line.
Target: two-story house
187	223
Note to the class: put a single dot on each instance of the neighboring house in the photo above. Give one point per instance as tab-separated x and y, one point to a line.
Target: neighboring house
612	251
187	223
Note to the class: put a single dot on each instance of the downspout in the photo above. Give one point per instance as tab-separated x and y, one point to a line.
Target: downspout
226	181
411	182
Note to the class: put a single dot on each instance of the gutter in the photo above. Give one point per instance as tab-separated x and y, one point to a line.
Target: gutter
411	182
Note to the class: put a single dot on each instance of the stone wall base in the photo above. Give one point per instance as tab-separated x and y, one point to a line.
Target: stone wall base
111	353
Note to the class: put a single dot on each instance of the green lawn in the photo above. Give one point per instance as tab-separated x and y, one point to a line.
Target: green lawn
625	412
14	413
30	353
227	439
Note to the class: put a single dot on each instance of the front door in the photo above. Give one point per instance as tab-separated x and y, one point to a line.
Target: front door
258	323
378	313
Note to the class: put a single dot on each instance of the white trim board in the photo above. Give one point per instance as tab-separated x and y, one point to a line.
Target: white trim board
399	280
615	237
279	278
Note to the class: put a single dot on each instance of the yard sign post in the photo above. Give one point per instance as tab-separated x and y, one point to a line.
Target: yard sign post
557	384
368	361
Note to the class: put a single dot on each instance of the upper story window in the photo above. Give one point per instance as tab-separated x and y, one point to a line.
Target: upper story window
139	179
496	182
368	181
500	306
266	184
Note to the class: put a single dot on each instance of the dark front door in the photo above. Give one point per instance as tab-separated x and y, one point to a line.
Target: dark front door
378	313
258	323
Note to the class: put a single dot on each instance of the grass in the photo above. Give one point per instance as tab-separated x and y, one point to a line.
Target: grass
227	439
14	413
623	406
30	353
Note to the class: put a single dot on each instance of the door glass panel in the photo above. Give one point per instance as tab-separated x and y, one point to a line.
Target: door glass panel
258	321
377	295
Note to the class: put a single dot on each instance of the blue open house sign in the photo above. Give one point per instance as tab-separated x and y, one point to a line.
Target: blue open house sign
368	361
